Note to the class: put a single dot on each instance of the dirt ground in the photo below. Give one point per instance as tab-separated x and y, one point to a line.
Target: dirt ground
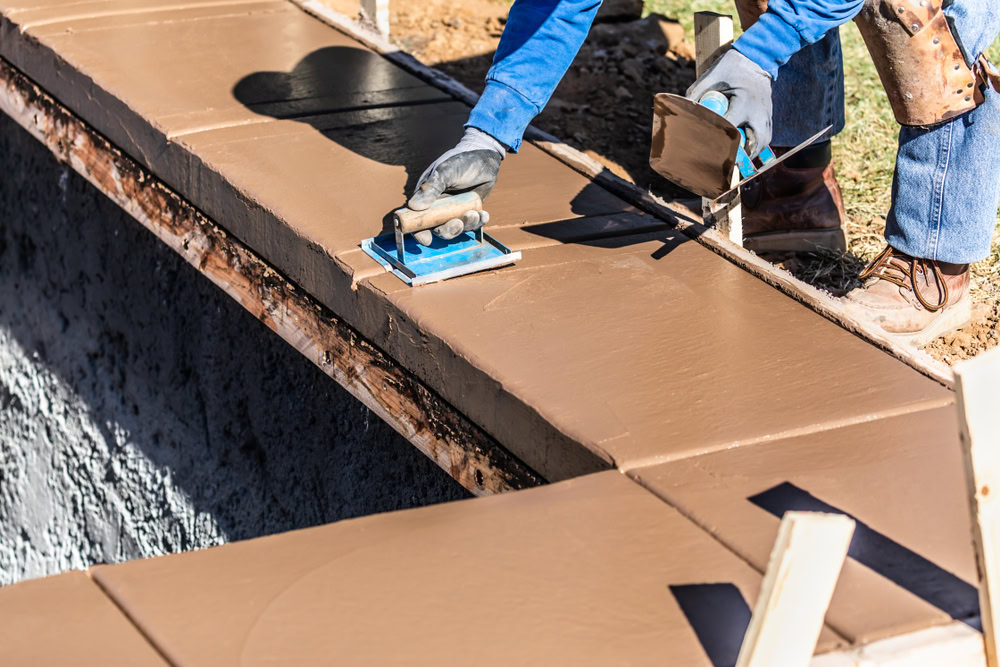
602	107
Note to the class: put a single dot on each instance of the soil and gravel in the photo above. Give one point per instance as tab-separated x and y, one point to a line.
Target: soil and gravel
603	108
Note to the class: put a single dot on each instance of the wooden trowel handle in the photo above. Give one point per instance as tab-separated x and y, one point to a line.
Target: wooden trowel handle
441	211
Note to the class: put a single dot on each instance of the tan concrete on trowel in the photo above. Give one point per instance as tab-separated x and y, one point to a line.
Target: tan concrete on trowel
902	477
67	620
576	573
641	348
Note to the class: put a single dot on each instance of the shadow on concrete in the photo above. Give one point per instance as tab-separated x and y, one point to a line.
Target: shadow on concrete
719	616
339	92
162	415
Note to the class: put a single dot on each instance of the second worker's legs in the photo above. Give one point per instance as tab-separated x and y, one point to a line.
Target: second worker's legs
945	194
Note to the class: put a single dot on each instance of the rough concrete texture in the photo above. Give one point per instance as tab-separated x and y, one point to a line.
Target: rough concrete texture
142	412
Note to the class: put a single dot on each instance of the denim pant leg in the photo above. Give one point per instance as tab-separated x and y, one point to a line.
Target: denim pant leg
946	186
808	94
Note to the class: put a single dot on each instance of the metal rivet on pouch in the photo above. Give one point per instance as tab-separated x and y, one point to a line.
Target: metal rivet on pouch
968	97
902	10
937	40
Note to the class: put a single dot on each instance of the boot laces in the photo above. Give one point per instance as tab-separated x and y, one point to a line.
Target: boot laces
902	270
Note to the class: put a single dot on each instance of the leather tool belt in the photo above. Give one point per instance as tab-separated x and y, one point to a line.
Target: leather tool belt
920	61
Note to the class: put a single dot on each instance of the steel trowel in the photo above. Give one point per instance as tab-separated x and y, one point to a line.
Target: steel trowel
695	147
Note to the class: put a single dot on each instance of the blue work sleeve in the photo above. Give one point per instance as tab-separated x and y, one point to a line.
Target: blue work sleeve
538	45
790	25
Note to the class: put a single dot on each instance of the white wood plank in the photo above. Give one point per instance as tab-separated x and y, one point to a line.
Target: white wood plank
712	34
977	383
801	575
376	12
954	645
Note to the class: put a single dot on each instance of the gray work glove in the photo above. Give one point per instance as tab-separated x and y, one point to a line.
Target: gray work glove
748	88
471	165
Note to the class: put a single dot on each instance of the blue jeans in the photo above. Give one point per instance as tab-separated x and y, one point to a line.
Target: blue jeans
946	185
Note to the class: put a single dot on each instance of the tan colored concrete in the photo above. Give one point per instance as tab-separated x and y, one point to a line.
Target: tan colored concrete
577	573
266	59
67	620
901	476
641	348
360	166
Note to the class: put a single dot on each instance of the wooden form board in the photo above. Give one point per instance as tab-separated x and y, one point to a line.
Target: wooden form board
376	12
713	33
801	573
976	385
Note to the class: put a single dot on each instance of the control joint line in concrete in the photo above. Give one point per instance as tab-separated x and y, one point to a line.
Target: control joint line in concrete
120	11
471	456
820	427
124	612
674	212
171	136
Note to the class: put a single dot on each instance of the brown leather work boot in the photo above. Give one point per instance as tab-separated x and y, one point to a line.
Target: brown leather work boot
796	206
914	299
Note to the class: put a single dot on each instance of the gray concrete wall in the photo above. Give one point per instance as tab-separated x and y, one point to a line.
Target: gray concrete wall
142	412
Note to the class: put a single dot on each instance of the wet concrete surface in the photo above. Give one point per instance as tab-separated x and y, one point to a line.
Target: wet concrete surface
142	411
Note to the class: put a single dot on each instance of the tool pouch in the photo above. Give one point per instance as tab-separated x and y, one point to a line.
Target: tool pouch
750	11
922	65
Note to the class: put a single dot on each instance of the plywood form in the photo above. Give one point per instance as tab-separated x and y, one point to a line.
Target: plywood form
67	620
642	348
911	564
574	573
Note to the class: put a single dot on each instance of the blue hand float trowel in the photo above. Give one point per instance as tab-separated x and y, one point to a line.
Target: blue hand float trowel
695	146
417	264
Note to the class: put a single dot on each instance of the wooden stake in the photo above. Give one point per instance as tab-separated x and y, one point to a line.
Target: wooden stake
976	384
712	34
376	12
801	575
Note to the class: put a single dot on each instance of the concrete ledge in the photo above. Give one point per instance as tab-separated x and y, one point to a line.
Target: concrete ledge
463	450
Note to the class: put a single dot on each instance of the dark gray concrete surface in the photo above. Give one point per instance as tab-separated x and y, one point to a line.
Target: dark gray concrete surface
142	411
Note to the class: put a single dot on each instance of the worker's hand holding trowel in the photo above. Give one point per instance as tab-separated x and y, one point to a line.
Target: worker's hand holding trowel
748	88
471	166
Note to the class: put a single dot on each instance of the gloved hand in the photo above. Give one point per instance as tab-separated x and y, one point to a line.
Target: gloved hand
748	88
471	165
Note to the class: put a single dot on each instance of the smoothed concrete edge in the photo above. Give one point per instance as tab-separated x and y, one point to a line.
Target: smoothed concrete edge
471	456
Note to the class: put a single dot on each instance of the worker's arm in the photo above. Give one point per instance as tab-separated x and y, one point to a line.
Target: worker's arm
791	25
538	45
745	73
